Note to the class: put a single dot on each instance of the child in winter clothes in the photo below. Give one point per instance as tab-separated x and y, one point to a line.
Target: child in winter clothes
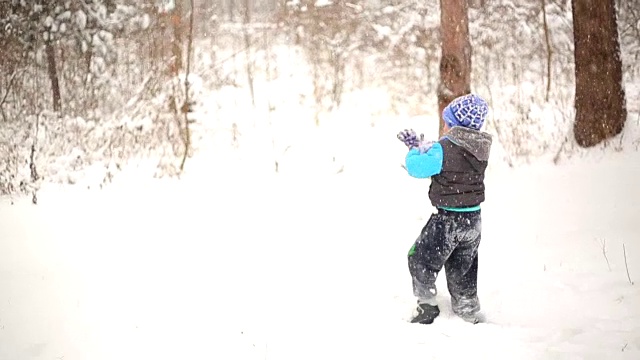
456	165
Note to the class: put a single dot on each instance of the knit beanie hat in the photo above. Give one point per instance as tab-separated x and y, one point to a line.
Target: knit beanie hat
467	111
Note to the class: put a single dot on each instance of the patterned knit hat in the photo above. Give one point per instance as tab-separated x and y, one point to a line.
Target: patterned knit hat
467	111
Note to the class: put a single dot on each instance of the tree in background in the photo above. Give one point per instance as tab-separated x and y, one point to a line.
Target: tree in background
54	30
455	63
177	23
600	97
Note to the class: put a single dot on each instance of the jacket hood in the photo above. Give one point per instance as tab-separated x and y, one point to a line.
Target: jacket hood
478	143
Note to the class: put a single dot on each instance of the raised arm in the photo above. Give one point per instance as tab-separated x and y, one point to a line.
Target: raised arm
424	165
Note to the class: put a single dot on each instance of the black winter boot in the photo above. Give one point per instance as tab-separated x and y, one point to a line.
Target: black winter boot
426	314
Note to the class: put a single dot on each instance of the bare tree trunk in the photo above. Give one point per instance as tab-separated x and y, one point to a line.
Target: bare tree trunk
32	164
549	51
186	107
176	44
3	98
247	45
53	76
455	64
231	7
600	97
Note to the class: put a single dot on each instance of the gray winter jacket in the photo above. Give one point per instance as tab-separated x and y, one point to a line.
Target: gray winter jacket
460	182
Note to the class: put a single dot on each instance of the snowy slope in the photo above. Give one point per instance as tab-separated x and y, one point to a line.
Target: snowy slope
253	265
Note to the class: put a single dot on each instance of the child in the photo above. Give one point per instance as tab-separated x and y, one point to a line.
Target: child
456	166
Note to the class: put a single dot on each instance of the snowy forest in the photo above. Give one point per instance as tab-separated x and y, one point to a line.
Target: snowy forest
222	179
96	83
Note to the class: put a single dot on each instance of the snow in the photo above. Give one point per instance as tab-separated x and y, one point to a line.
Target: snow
81	19
235	261
322	3
247	264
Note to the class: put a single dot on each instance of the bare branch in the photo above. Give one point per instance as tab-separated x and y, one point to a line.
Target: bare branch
604	252
32	165
549	50
626	265
6	93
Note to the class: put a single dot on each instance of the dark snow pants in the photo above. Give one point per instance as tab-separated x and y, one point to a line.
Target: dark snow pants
449	239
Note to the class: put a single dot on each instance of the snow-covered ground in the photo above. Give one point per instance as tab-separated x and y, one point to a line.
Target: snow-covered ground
234	261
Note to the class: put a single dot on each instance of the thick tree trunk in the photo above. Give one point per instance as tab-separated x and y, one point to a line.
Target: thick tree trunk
53	76
600	98
455	64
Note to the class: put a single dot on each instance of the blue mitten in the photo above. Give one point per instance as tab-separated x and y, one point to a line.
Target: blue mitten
410	138
413	141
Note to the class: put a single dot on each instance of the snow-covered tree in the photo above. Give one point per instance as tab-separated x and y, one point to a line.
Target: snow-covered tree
44	27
